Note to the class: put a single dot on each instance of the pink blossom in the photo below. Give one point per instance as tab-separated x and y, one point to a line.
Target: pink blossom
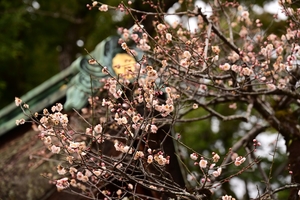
124	46
168	90
150	159
18	101
203	163
161	27
243	32
245	14
20	121
225	67
233	106
95	3
153	128
195	106
55	149
187	54
194	156
271	86
135	119
103	8
61	170
62	184
98	128
119	192
239	160
168	36
130	186
138	154
236	68
247	71
226	197
216	157
215	49
164	63
134	36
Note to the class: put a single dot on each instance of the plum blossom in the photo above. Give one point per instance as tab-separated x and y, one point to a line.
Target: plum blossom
103	8
124	46
194	156
271	86
18	101
62	184
169	36
161	27
152	74
47	140
153	128
55	149
58	107
124	149
245	14
247	71
20	121
150	159
239	160
164	63
187	54
243	32
226	197
119	192
138	154
97	172
236	68
184	63
95	3
61	170
203	163
217	172
233	57
215	49
127	149
216	157
130	186
195	106
225	67
98	128
160	159
135	119
81	177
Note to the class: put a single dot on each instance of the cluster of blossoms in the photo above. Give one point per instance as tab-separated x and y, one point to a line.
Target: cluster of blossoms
111	85
181	70
203	163
62	184
122	148
102	7
211	170
159	158
226	197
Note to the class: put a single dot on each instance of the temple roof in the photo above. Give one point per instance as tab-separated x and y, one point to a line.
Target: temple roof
44	95
74	83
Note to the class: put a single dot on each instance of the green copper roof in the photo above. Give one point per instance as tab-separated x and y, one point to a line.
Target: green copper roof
40	97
